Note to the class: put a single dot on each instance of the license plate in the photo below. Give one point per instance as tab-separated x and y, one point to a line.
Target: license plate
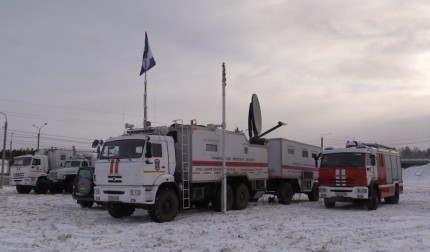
341	194
113	198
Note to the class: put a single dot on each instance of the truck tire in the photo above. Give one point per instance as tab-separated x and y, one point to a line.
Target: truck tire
21	189
329	203
241	196
166	206
84	186
86	204
314	195
395	198
372	202
285	193
69	186
216	200
116	210
42	186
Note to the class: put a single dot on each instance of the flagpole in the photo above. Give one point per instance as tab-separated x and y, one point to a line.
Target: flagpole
146	65
144	103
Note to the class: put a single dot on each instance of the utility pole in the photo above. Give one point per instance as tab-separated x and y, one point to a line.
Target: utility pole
38	134
322	140
10	146
4	151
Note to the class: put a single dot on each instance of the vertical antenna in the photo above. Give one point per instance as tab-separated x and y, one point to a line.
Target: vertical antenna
224	175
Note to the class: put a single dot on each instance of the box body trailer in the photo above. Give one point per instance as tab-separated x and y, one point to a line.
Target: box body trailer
293	168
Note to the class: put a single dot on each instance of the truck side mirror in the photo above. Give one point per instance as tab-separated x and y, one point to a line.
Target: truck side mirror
148	153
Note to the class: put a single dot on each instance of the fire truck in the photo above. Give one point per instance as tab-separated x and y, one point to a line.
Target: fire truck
361	172
165	169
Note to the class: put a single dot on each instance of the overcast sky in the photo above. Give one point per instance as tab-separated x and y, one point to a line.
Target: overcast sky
355	69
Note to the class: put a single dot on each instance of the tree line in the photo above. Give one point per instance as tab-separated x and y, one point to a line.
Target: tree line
16	153
415	152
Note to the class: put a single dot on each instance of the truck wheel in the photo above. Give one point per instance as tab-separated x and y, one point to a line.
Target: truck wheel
116	210
41	186
69	185
128	210
285	193
314	194
241	196
23	189
372	202
395	198
166	206
216	200
86	204
328	203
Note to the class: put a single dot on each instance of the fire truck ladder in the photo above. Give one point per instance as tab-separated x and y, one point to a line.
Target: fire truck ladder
185	131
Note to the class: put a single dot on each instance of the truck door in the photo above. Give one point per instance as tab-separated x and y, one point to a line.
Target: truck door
36	165
156	157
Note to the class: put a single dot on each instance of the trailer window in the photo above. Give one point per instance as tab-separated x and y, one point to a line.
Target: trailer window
305	153
62	157
212	147
291	150
132	148
343	159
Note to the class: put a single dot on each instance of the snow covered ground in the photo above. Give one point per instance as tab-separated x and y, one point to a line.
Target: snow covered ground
56	223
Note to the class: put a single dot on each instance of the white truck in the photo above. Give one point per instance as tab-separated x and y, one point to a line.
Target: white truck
176	167
293	168
31	171
62	178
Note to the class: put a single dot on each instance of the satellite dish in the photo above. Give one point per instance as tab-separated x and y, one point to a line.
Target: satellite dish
254	117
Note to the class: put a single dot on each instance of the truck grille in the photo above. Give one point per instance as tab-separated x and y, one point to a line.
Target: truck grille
18	175
53	175
341	182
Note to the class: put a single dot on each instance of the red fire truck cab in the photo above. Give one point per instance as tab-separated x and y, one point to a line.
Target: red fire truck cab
360	172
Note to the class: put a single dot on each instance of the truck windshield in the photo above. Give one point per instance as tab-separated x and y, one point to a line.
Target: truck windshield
72	164
343	159
24	161
132	148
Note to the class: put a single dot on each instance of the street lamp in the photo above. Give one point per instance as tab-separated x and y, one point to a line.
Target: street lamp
322	140
38	134
4	150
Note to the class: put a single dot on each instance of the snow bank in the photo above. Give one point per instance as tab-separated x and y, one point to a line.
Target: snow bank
56	223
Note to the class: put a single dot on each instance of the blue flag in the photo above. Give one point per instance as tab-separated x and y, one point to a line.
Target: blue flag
148	60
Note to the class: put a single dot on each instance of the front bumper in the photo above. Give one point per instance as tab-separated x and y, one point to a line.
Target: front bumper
126	194
357	192
22	181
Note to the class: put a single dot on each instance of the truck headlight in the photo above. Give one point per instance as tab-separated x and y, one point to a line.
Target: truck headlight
362	190
323	189
96	191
